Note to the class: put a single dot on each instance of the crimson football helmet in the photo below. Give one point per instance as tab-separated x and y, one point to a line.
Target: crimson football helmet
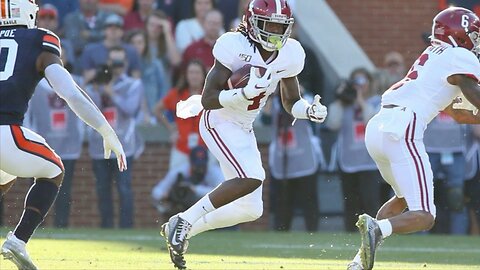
458	27
261	12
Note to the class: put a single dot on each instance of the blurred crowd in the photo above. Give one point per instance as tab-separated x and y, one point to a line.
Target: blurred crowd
137	58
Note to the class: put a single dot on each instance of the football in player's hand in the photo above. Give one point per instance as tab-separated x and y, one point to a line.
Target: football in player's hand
240	77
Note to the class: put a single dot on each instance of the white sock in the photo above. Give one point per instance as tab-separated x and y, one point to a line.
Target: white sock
198	210
385	227
228	215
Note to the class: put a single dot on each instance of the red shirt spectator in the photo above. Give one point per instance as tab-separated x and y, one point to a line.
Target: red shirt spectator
136	18
200	50
186	127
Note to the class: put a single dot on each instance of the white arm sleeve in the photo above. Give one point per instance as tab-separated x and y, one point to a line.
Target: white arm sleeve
63	84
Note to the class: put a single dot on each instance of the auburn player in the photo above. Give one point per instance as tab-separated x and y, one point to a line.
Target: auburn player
394	137
262	39
27	55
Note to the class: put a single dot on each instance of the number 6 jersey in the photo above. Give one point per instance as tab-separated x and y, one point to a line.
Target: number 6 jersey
19	50
425	89
234	50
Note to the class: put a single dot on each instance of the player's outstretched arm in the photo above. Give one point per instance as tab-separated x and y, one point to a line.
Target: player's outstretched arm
297	106
64	85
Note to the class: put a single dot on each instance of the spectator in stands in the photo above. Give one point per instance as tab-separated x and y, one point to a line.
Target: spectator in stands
85	25
155	81
394	70
47	17
176	10
356	103
202	49
63	7
229	10
161	43
120	7
184	132
136	18
445	143
472	186
190	30
96	54
187	183
242	6
118	96
293	162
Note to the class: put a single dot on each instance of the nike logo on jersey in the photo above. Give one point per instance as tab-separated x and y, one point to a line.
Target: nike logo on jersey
282	70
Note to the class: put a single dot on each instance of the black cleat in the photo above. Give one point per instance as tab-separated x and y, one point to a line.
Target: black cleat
371	239
178	229
177	259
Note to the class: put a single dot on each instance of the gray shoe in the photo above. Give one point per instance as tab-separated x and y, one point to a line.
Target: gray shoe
354	266
14	250
371	239
178	229
177	259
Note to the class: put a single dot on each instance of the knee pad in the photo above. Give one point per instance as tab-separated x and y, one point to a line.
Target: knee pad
455	199
251	204
253	210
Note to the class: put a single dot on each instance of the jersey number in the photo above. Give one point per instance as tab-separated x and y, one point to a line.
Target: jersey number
256	102
8	53
412	74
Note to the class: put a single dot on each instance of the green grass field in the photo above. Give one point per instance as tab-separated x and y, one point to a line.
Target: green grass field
144	249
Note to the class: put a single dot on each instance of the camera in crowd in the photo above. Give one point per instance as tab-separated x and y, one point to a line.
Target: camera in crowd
103	74
346	92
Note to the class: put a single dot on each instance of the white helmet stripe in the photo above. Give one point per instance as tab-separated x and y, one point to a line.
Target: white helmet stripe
278	6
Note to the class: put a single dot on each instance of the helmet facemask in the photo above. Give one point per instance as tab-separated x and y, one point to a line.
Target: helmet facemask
270	41
475	38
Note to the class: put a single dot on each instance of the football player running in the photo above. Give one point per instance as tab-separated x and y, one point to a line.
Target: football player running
27	55
262	40
447	69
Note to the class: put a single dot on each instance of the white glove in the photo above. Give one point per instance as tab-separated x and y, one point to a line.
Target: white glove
111	143
256	83
190	107
317	111
465	105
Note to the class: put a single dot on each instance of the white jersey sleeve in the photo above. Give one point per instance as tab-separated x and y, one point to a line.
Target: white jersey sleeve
297	54
464	62
223	50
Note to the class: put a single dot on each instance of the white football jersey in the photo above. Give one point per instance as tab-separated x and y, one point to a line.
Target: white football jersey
234	51
425	89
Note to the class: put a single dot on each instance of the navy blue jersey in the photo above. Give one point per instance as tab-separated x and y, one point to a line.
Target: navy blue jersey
19	50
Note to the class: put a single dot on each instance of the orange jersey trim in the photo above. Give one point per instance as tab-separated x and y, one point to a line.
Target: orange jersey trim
51	39
34	148
3	10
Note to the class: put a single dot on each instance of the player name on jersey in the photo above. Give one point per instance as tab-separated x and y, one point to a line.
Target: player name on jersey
8	33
